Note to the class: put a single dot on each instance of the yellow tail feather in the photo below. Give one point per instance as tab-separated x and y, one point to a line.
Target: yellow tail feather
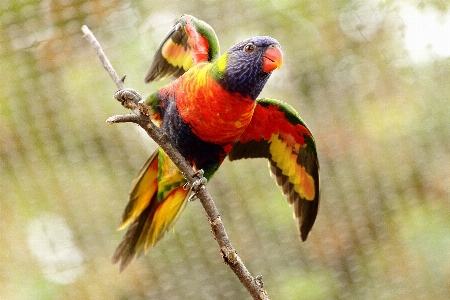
147	216
143	188
166	214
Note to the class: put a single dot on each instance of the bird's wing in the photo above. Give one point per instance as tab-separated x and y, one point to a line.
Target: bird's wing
277	133
190	41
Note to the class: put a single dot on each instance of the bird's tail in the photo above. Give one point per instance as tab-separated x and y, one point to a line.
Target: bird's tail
157	199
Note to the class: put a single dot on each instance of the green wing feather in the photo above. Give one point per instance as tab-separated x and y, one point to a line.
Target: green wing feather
190	41
277	133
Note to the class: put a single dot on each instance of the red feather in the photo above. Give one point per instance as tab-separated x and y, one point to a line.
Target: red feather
215	115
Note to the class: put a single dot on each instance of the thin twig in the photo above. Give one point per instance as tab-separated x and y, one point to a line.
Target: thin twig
105	61
229	255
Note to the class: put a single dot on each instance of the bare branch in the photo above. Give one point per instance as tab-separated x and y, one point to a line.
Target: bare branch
140	116
123	119
105	61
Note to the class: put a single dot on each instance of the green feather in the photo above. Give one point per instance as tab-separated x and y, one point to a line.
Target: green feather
204	29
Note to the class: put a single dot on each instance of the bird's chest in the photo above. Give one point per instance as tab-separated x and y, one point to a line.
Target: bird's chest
213	114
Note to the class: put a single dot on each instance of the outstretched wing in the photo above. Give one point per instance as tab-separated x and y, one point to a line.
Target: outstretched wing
189	42
278	133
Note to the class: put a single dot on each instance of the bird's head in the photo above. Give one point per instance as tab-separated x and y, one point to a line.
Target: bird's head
246	67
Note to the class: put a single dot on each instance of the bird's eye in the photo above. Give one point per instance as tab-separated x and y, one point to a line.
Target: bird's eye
249	48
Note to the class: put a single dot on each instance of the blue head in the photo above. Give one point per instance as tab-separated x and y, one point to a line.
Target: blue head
249	65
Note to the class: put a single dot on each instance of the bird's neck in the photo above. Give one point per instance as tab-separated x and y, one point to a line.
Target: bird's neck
237	78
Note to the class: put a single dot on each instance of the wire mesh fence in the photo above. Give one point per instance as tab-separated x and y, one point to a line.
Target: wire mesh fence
366	76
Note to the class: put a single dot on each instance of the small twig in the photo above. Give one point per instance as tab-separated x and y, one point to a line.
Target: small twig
105	61
141	117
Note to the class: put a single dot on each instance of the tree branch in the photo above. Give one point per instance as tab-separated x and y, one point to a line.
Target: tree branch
141	117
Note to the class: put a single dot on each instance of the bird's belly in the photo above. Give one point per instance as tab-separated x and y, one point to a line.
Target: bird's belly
201	154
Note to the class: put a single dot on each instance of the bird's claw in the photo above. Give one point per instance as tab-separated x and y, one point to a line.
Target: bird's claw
196	185
126	95
144	108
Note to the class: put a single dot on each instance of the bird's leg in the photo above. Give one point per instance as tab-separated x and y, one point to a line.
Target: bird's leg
128	97
199	182
196	185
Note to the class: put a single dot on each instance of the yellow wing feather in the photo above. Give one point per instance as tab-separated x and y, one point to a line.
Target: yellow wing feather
156	201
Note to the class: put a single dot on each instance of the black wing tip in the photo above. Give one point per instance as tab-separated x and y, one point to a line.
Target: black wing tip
306	226
308	217
123	254
148	78
128	248
304	235
305	211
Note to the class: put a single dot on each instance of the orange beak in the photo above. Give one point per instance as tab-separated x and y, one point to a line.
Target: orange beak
272	59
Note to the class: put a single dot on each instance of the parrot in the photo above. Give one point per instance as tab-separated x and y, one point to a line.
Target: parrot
211	111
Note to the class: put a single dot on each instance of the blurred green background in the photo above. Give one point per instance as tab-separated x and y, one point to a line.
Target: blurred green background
369	77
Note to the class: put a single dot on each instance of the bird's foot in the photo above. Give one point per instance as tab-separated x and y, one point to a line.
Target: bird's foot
198	184
128	97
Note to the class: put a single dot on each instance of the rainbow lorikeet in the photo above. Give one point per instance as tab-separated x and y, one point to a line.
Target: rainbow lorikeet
209	112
